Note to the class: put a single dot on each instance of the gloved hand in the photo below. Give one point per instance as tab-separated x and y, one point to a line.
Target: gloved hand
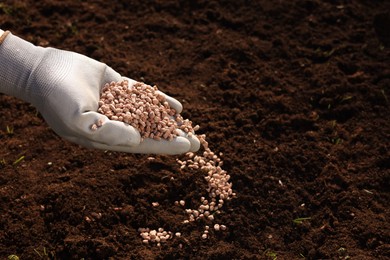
65	88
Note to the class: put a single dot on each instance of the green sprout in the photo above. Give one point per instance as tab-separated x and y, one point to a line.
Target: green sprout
384	96
346	98
10	130
271	254
327	54
300	220
43	254
3	162
336	140
13	257
6	9
323	53
21	158
343	254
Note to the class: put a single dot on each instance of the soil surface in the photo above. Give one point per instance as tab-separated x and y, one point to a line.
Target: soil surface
294	93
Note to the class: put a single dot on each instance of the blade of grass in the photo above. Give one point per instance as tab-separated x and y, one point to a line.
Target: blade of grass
300	220
10	130
21	158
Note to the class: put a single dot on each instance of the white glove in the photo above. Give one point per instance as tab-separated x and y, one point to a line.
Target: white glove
65	87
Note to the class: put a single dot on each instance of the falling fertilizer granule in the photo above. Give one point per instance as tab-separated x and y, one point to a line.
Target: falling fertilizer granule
146	109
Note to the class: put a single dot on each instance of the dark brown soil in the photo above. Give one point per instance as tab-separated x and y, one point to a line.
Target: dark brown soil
294	93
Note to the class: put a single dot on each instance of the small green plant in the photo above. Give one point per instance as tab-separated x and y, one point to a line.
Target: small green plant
324	53
13	257
3	162
10	130
271	254
384	96
21	158
336	140
42	254
343	254
346	98
300	220
6	9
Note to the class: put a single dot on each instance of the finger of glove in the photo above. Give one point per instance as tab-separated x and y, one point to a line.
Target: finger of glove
178	145
173	103
110	75
112	133
194	141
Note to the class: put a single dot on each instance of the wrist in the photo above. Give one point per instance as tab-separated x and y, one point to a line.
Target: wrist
18	58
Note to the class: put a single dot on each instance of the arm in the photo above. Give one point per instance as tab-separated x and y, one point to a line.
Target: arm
65	87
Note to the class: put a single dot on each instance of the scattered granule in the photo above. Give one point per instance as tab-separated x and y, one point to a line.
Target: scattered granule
142	107
155	236
219	187
219	190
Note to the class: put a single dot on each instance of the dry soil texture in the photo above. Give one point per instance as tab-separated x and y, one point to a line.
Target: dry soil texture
294	93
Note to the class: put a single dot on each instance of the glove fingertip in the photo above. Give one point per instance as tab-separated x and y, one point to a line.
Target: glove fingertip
193	140
195	143
181	145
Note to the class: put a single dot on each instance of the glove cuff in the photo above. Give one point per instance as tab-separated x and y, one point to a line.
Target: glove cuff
18	58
